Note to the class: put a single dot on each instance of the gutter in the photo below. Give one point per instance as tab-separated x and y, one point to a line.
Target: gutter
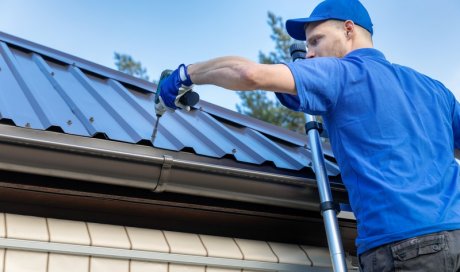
101	161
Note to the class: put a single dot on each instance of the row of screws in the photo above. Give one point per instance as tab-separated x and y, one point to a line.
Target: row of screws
69	122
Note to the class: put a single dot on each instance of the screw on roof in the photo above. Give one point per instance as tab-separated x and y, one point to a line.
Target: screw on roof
91	119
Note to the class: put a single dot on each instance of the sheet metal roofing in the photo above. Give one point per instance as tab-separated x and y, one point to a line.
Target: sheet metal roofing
44	89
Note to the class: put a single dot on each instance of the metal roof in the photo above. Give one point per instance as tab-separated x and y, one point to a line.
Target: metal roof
44	89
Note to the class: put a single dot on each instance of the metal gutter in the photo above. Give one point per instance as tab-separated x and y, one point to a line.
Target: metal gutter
95	160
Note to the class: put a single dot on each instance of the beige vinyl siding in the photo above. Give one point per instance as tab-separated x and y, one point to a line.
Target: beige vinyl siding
26	227
256	250
2	225
105	264
223	247
147	239
72	263
185	243
66	231
108	236
318	256
137	266
214	269
186	268
51	230
24	261
2	259
288	253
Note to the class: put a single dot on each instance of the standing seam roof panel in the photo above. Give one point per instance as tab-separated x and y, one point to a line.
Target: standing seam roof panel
127	95
141	104
18	103
46	89
240	149
126	132
165	139
77	87
287	161
34	99
189	134
54	107
69	113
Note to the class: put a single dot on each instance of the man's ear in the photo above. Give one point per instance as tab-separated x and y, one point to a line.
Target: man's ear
349	27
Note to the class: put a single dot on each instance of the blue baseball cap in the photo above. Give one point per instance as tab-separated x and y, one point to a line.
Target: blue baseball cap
331	9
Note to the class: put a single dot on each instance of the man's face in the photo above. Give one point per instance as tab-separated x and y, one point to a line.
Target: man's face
326	39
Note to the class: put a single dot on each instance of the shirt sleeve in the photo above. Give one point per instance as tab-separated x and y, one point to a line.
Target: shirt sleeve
318	83
289	100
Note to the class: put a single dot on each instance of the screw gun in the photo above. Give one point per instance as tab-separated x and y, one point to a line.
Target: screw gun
190	98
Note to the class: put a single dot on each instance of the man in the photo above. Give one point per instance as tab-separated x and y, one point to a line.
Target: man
392	130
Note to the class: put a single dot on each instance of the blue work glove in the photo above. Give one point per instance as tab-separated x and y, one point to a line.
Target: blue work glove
175	86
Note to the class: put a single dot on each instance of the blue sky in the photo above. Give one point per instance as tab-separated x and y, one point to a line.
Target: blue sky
421	34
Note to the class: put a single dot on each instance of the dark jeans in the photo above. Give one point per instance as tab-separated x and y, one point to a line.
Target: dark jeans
436	252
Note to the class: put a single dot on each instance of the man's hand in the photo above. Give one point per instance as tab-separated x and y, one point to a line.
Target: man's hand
174	87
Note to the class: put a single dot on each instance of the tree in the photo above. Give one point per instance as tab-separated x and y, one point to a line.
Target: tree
282	41
257	104
126	64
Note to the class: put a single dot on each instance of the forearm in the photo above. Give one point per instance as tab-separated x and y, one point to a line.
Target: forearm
236	73
227	72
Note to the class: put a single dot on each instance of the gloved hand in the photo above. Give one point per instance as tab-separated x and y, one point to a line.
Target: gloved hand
174	87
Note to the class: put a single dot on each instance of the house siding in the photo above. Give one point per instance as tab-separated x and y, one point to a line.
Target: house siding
52	230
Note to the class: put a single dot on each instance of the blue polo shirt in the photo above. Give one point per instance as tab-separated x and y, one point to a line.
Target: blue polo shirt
393	132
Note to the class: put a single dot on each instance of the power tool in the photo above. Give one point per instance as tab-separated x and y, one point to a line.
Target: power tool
189	99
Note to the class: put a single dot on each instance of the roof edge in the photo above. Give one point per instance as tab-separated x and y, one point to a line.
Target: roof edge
79	62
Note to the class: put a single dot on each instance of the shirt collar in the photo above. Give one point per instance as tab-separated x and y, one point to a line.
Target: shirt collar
366	52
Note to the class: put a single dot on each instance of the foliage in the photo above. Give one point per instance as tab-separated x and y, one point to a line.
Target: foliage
126	64
258	105
282	42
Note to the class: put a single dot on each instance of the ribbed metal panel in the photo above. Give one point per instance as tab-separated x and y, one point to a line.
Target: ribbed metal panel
44	89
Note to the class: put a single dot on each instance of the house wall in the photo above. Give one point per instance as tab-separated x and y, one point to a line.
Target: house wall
176	247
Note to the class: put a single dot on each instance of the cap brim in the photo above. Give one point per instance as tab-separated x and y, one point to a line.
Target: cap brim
296	27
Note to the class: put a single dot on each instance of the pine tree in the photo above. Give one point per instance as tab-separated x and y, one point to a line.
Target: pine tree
126	64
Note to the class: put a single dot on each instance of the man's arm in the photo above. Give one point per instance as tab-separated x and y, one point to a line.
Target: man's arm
236	73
